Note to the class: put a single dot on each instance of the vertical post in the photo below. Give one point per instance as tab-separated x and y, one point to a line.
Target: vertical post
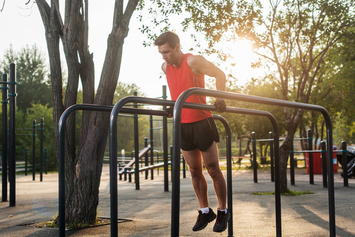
26	152
240	150
292	164
310	155
4	138
255	166
171	159
324	163
344	163
151	147
271	136
136	147
34	149
45	161
165	146
146	157
183	168
12	143
41	151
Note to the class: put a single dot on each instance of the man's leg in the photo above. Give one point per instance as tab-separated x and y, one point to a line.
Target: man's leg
193	159
210	158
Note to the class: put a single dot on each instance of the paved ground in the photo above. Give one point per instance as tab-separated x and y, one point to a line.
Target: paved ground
149	208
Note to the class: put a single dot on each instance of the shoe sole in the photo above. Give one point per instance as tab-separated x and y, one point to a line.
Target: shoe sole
208	221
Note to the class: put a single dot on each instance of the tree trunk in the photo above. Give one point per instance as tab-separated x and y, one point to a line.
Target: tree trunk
83	168
292	123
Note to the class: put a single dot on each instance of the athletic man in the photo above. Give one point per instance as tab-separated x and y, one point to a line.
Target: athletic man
198	130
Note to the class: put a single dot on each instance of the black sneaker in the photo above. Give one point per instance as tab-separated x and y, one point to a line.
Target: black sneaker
222	221
203	220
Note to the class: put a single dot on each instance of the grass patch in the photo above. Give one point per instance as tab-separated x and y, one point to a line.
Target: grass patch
288	192
54	224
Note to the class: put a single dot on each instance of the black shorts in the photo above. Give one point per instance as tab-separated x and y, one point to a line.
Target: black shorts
198	135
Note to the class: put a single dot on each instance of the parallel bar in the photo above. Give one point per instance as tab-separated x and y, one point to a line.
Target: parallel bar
4	140
175	215
113	162
113	147
283	103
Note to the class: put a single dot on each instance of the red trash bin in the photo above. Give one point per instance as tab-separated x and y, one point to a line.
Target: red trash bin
317	162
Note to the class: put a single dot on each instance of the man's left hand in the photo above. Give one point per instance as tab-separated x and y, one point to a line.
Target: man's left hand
220	105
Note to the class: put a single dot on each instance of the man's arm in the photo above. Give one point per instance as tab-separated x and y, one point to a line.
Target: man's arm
199	65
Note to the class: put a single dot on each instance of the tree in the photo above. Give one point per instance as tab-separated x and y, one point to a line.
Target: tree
84	165
31	75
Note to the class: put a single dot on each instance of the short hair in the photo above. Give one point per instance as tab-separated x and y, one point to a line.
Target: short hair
167	37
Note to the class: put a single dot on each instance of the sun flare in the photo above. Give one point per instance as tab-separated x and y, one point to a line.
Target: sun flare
242	55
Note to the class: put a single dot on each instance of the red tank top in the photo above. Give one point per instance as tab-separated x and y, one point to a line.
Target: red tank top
182	78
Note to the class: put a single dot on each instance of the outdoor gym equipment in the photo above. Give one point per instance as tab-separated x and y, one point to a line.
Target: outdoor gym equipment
61	149
262	100
175	160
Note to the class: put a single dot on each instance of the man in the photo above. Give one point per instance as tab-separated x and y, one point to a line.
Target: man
198	130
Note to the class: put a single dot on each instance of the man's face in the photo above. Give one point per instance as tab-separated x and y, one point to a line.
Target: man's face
170	55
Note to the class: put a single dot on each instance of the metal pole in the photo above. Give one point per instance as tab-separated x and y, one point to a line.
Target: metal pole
146	157
324	163
34	149
4	138
292	164
45	160
255	166
41	151
229	172
310	155
165	146
136	147
26	152
345	163
151	147
271	136
12	142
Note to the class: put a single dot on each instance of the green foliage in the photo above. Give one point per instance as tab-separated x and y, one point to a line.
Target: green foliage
25	121
31	74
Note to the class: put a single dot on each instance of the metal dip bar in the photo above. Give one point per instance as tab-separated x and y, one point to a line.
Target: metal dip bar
261	100
175	212
61	155
176	170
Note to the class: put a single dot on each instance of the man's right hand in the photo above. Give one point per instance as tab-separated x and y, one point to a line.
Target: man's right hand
220	105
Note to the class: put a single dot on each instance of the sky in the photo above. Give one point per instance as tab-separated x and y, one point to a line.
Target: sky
21	26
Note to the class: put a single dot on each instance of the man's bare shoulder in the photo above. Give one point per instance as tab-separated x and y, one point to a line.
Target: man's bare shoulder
195	60
197	63
163	67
